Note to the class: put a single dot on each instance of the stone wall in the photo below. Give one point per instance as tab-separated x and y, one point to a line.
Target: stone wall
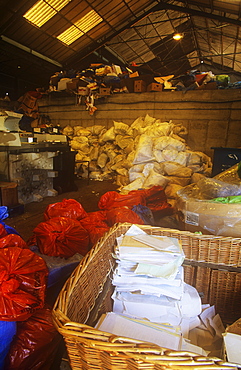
212	117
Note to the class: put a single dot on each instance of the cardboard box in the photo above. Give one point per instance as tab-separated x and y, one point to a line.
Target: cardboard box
139	86
104	91
62	84
134	74
83	90
209	217
232	342
72	85
208	86
9	193
154	87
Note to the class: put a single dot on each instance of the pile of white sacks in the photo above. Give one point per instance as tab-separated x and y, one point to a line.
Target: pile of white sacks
146	153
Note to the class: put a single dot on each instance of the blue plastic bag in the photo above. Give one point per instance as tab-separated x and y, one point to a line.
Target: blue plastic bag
3	212
7	331
9	229
144	213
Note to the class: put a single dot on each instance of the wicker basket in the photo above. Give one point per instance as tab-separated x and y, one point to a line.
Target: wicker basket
212	265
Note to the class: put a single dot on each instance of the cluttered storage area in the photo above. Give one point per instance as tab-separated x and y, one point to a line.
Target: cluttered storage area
120	185
151	277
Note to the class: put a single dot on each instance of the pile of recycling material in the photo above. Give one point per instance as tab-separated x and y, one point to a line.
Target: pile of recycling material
148	152
29	269
118	79
26	328
153	303
69	229
213	205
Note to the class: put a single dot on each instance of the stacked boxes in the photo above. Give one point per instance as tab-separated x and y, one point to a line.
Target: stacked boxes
9	193
154	87
139	86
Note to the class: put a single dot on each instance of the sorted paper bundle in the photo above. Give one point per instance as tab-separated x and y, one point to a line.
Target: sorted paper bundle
151	301
149	281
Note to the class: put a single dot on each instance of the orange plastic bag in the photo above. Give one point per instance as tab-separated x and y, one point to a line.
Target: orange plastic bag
95	224
156	199
61	237
23	279
67	208
3	231
112	199
123	214
12	240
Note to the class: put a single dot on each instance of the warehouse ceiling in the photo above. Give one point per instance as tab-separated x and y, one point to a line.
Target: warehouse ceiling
123	32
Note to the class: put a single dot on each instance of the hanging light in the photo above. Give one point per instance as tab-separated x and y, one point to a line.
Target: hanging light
177	36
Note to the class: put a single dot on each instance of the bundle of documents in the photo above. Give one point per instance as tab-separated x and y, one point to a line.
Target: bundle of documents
149	279
151	301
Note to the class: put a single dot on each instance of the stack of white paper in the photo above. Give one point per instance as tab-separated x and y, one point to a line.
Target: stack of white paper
149	279
151	300
164	335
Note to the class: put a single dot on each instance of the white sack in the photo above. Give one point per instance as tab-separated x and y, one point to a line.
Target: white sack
167	142
136	171
109	135
122	180
81	139
158	155
135	175
123	141
159	129
170	167
96	175
169	154
120	128
81	156
134	185
77	128
182	158
182	172
148	120
137	126
194	158
102	160
183	181
147	168
196	177
94	153
171	190
97	129
82	132
155	178
122	171
144	150
68	131
75	145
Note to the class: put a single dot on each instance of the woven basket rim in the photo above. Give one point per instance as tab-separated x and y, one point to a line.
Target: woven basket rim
91	254
91	337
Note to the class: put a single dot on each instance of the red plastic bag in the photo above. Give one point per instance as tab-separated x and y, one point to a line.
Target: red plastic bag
95	224
12	240
123	214
156	199
23	279
67	208
61	237
35	344
112	199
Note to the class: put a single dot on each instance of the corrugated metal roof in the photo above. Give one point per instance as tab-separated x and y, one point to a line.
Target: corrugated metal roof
131	31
